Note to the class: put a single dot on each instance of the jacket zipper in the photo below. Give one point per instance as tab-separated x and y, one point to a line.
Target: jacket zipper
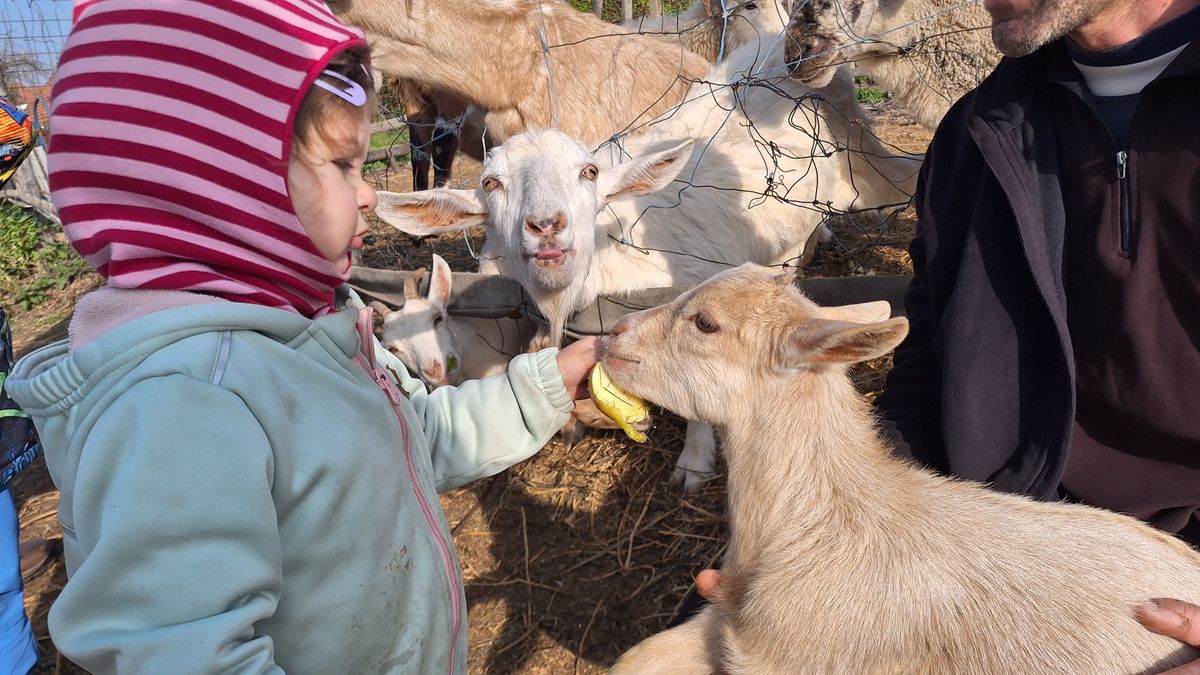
366	359
1123	182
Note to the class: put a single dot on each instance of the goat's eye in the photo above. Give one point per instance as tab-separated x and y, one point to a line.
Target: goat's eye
490	183
705	323
750	6
437	320
590	172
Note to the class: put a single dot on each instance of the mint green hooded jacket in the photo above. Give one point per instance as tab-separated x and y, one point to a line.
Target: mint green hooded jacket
239	494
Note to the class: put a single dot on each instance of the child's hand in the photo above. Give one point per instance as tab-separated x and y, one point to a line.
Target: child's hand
575	361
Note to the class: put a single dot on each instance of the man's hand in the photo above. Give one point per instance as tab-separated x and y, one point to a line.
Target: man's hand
1173	618
575	361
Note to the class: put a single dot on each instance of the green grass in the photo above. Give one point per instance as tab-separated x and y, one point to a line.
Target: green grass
34	262
871	96
386	139
612	8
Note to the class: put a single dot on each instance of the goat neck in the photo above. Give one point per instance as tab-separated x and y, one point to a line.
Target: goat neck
807	463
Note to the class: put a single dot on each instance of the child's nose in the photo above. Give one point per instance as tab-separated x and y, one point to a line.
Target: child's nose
367	199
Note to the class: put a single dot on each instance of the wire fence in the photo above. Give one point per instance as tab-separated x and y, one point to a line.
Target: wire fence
33	32
793	155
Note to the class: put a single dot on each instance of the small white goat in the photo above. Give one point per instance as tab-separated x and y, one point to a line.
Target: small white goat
714	28
927	53
843	558
570	230
442	349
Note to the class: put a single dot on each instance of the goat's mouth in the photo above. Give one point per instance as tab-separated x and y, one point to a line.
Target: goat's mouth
618	361
812	65
550	258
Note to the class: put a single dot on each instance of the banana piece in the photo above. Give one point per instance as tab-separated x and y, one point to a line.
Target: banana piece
619	405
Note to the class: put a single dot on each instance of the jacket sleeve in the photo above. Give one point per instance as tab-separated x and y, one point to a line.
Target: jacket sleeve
485	426
911	403
177	554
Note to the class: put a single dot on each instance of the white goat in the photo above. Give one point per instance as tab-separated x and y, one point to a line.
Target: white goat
570	231
443	349
927	53
528	63
845	559
713	28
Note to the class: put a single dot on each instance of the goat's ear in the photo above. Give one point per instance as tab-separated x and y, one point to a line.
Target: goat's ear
645	174
833	341
381	309
440	283
431	211
708	10
863	312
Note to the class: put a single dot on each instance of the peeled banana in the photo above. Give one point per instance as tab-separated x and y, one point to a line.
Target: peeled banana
619	405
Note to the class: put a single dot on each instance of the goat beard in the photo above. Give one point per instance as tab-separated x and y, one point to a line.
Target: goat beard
557	307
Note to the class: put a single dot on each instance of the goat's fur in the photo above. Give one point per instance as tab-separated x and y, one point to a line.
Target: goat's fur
712	30
490	55
845	559
927	53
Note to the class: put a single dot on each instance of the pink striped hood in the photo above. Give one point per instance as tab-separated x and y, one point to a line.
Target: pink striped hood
172	126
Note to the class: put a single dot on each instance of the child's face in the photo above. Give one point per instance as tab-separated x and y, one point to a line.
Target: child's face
328	192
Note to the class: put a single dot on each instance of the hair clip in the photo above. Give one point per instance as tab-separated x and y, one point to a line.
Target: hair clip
353	94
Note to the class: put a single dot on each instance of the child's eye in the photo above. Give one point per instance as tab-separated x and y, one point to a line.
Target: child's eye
342	164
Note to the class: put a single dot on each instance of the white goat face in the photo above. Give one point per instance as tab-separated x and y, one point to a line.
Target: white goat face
539	198
420	332
706	354
540	190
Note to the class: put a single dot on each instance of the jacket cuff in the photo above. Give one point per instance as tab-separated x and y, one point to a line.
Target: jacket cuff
544	370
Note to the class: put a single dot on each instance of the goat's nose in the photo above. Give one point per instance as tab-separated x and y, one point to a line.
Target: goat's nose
621	327
433	372
546	224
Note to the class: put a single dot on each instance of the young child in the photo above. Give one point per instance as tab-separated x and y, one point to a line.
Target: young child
248	479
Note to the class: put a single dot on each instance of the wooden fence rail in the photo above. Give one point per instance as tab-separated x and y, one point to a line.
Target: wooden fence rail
492	296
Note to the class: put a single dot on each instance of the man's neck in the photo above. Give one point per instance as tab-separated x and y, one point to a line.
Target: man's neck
1122	22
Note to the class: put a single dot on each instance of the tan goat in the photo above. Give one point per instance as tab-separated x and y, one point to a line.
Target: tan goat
591	81
844	559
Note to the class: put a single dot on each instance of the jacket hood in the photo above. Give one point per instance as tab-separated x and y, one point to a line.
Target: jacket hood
172	134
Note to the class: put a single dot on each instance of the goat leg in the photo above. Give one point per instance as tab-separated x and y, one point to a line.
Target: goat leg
687	649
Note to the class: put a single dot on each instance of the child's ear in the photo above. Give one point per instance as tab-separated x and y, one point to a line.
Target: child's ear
816	341
440	282
432	211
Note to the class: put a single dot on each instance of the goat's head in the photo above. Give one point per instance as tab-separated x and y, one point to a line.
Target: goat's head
745	21
420	334
539	196
823	34
738	336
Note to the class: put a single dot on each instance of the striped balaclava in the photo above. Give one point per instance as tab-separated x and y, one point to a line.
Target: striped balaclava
171	133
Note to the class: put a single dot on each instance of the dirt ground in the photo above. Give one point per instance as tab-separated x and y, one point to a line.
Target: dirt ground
571	557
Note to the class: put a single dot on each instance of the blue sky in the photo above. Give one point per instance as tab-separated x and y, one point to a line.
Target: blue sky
36	27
